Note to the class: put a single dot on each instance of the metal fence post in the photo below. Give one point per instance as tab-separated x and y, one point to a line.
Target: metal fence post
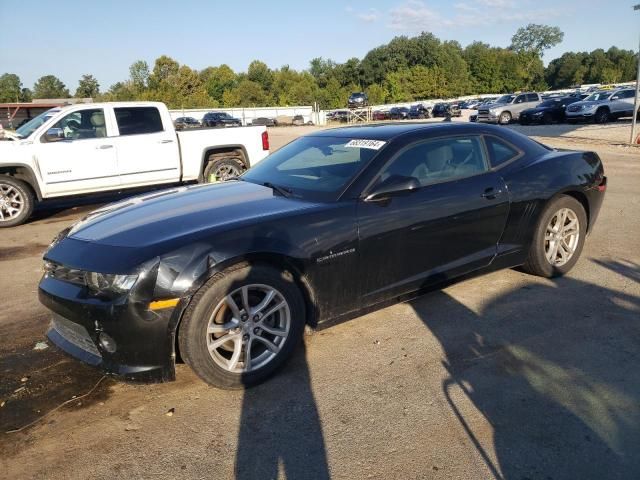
635	102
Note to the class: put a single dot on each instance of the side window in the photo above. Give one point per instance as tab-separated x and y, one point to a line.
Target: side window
499	152
138	120
439	160
533	97
521	99
626	94
83	124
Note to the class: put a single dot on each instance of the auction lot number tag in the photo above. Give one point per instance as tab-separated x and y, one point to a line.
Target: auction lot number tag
370	144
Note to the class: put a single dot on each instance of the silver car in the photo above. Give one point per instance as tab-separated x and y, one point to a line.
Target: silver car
600	107
507	107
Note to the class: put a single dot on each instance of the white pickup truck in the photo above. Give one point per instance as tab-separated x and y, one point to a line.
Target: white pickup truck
88	148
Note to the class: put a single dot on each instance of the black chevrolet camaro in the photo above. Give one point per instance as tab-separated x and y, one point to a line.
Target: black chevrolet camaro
339	222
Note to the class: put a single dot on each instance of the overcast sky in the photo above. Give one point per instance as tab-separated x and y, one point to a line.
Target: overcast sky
69	38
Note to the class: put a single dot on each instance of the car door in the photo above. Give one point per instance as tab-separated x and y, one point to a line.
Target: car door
623	102
448	226
148	153
77	154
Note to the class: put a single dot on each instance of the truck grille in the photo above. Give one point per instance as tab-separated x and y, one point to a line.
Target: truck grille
574	108
60	272
75	334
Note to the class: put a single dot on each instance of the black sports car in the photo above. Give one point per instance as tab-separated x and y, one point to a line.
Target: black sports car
549	111
226	276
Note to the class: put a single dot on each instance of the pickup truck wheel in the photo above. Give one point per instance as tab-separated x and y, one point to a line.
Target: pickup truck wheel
241	326
16	202
505	118
223	170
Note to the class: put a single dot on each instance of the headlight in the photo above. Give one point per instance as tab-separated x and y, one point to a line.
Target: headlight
110	283
538	114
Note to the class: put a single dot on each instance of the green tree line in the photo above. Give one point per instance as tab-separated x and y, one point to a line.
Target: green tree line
405	69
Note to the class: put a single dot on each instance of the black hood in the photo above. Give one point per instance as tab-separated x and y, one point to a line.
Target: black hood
181	213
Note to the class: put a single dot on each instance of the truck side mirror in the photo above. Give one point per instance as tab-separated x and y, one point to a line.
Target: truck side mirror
54	135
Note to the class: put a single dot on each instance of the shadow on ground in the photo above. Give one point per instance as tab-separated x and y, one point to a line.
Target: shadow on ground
553	369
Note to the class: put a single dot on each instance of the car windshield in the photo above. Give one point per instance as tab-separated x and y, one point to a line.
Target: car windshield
315	168
32	125
594	97
505	99
550	103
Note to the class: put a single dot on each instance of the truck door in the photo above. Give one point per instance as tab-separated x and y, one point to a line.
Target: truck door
77	155
148	151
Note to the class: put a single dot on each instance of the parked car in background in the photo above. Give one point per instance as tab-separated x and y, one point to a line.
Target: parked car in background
547	112
182	123
470	104
298	120
439	110
267	122
380	115
419	111
399	113
602	106
358	100
507	107
229	275
220	119
98	147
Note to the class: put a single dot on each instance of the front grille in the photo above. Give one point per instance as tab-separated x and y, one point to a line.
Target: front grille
65	274
483	112
75	334
574	108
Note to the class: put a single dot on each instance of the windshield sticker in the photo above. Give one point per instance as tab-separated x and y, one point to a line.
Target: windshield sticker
371	144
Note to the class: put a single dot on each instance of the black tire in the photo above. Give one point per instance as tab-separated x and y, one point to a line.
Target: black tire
192	334
24	193
504	118
547	119
601	116
222	169
537	263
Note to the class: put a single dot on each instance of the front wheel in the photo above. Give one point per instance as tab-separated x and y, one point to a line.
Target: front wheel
558	239
16	201
505	118
242	326
601	116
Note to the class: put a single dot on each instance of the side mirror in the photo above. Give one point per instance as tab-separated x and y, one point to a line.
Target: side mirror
54	135
615	97
393	185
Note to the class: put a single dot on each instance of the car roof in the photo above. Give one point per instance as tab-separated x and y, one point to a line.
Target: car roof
389	131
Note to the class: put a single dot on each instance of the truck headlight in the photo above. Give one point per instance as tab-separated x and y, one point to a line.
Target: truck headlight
110	283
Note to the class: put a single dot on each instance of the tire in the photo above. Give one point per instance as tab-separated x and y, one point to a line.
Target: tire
17	201
505	118
222	170
547	119
601	116
210	309
537	262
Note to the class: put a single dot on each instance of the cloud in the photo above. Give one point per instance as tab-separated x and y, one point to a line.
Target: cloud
371	16
414	16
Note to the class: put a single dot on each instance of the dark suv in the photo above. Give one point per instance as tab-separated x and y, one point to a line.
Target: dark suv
358	100
186	122
220	119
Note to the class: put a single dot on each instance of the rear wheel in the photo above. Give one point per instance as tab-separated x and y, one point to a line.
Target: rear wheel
505	118
222	170
558	239
242	326
16	201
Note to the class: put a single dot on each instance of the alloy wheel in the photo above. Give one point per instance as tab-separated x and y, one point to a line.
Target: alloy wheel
561	237
12	202
248	328
224	172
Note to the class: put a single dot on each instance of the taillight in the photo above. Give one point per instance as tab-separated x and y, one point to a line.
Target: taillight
265	140
603	185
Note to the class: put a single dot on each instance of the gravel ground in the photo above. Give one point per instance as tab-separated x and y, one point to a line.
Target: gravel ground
501	376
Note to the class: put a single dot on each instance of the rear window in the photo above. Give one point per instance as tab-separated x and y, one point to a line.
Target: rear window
138	120
499	151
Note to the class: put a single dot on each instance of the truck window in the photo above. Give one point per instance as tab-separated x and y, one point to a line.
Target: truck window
138	120
532	97
83	124
521	99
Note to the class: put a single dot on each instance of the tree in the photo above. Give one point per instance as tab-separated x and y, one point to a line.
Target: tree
163	68
260	73
217	80
536	39
88	87
50	86
377	94
139	75
10	88
247	94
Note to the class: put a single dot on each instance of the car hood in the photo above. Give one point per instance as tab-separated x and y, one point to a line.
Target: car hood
533	110
182	213
589	103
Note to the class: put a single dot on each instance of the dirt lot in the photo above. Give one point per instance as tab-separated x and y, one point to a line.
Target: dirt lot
506	376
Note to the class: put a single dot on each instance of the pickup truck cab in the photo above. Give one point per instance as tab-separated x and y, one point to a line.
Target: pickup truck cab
89	148
507	107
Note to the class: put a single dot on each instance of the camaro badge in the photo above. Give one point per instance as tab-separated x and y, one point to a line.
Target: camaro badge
331	256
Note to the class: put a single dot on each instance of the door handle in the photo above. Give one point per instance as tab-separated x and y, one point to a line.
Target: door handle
491	193
165	141
103	147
